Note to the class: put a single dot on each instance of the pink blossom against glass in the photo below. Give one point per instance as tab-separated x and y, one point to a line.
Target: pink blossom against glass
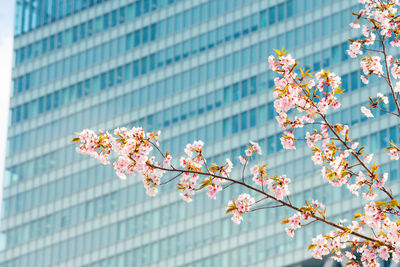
395	43
167	160
279	186
240	206
389	60
371	65
242	160
370	196
395	71
312	138
355	25
364	79
366	112
294	223
318	205
317	158
300	99
223	170
368	158
260	175
354	50
394	154
251	149
287	140
213	190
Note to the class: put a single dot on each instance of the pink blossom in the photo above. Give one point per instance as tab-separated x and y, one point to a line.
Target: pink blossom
242	160
365	31
287	140
367	112
364	79
395	71
397	87
256	147
395	43
368	158
384	253
186	198
372	65
317	158
259	175
354	50
213	190
369	195
394	154
167	161
289	232
355	25
240	206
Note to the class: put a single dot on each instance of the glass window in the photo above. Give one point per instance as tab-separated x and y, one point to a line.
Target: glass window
227	95
272	15
235	124
245	57
383	139
237	29
145	35
137	38
253	117
227	127
201	104
243	120
354	80
235	92
228	32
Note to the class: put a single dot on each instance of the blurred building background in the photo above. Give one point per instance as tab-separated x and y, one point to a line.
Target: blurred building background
196	69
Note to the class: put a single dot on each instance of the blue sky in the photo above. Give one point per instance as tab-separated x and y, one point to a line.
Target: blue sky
6	42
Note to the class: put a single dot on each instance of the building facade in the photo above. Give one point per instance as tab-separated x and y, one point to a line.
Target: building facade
195	69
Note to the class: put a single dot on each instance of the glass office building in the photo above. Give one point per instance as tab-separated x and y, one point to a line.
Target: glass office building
196	69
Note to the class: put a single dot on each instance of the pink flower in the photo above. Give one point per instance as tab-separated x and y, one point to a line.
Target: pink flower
364	79
355	25
256	147
365	31
213	190
242	160
186	198
394	154
372	65
382	97
167	161
317	158
395	71
369	195
367	112
397	87
240	206
289	232
354	50
384	253
287	140
259	175
395	43
368	158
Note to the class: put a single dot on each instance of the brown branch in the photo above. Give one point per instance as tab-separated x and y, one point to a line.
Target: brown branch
283	203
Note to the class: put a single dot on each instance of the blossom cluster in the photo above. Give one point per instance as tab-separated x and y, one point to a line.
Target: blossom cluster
309	210
240	206
193	162
278	185
132	147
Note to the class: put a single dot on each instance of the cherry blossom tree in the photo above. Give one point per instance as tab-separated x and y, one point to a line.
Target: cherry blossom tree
301	98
